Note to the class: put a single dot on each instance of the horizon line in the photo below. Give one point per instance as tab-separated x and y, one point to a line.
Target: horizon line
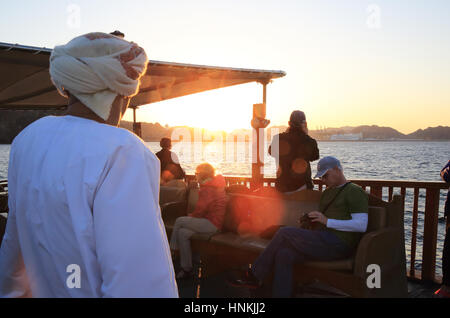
274	126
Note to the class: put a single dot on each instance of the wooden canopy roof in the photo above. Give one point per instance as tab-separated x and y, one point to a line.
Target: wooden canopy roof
25	81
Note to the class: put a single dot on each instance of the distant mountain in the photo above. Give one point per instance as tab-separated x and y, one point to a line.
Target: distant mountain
431	133
154	132
375	132
150	131
12	122
384	133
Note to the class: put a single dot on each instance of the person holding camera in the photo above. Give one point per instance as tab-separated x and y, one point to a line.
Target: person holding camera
342	216
293	150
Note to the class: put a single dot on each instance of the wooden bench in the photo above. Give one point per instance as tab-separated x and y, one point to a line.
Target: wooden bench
235	246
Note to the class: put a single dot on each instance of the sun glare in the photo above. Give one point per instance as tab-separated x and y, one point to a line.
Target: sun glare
224	109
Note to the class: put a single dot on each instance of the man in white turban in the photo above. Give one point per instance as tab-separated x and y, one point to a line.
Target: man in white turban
84	217
96	68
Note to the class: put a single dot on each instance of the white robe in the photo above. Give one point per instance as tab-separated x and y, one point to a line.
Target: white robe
83	193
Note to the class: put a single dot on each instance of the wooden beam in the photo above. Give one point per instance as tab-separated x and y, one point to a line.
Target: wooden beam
430	234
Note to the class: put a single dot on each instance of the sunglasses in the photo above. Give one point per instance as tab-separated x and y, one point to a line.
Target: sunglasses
326	175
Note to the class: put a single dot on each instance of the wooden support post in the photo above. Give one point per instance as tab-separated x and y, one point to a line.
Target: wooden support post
259	113
403	194
376	191
137	128
430	234
257	165
412	271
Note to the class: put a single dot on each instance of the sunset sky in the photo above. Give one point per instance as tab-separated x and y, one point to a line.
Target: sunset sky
348	63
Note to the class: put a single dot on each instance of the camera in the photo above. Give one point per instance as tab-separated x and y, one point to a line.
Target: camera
305	221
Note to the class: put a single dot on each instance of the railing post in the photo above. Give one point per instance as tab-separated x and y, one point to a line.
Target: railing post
430	234
376	191
412	271
403	194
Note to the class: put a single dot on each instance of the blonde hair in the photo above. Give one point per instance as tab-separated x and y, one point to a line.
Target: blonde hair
205	171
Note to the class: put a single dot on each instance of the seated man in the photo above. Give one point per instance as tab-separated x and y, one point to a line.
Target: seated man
343	217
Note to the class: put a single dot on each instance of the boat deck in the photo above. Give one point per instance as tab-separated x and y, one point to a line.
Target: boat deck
216	287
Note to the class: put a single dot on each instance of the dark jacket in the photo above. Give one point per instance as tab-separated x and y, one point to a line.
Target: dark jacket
296	151
445	175
167	163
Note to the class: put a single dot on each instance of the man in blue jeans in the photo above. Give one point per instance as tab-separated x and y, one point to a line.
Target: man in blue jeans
343	209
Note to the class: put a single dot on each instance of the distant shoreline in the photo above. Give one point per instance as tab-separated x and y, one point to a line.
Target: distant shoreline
12	122
392	140
324	140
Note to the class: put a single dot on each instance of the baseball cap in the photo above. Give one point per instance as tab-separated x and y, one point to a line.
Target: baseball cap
297	118
325	164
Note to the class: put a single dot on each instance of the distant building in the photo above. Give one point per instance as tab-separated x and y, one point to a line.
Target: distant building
347	137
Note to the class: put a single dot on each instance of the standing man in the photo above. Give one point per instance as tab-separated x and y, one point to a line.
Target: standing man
293	151
343	214
84	218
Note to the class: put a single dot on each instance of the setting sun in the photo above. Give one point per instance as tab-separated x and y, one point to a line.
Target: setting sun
221	109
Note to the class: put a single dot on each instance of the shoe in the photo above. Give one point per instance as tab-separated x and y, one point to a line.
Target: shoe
182	274
442	293
248	281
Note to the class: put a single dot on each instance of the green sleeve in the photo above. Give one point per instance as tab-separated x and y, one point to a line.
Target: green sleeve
357	200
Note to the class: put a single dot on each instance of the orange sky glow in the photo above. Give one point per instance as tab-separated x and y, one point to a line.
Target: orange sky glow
348	63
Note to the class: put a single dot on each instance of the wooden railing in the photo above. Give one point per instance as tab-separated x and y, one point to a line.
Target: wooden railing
384	189
430	224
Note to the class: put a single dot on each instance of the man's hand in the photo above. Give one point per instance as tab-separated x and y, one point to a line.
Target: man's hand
316	216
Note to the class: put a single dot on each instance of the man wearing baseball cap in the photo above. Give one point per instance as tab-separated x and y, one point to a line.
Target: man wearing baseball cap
343	217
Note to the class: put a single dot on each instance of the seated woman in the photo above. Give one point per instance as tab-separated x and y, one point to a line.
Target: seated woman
171	170
207	217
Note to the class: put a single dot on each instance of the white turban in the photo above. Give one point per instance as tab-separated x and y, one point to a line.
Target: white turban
96	67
